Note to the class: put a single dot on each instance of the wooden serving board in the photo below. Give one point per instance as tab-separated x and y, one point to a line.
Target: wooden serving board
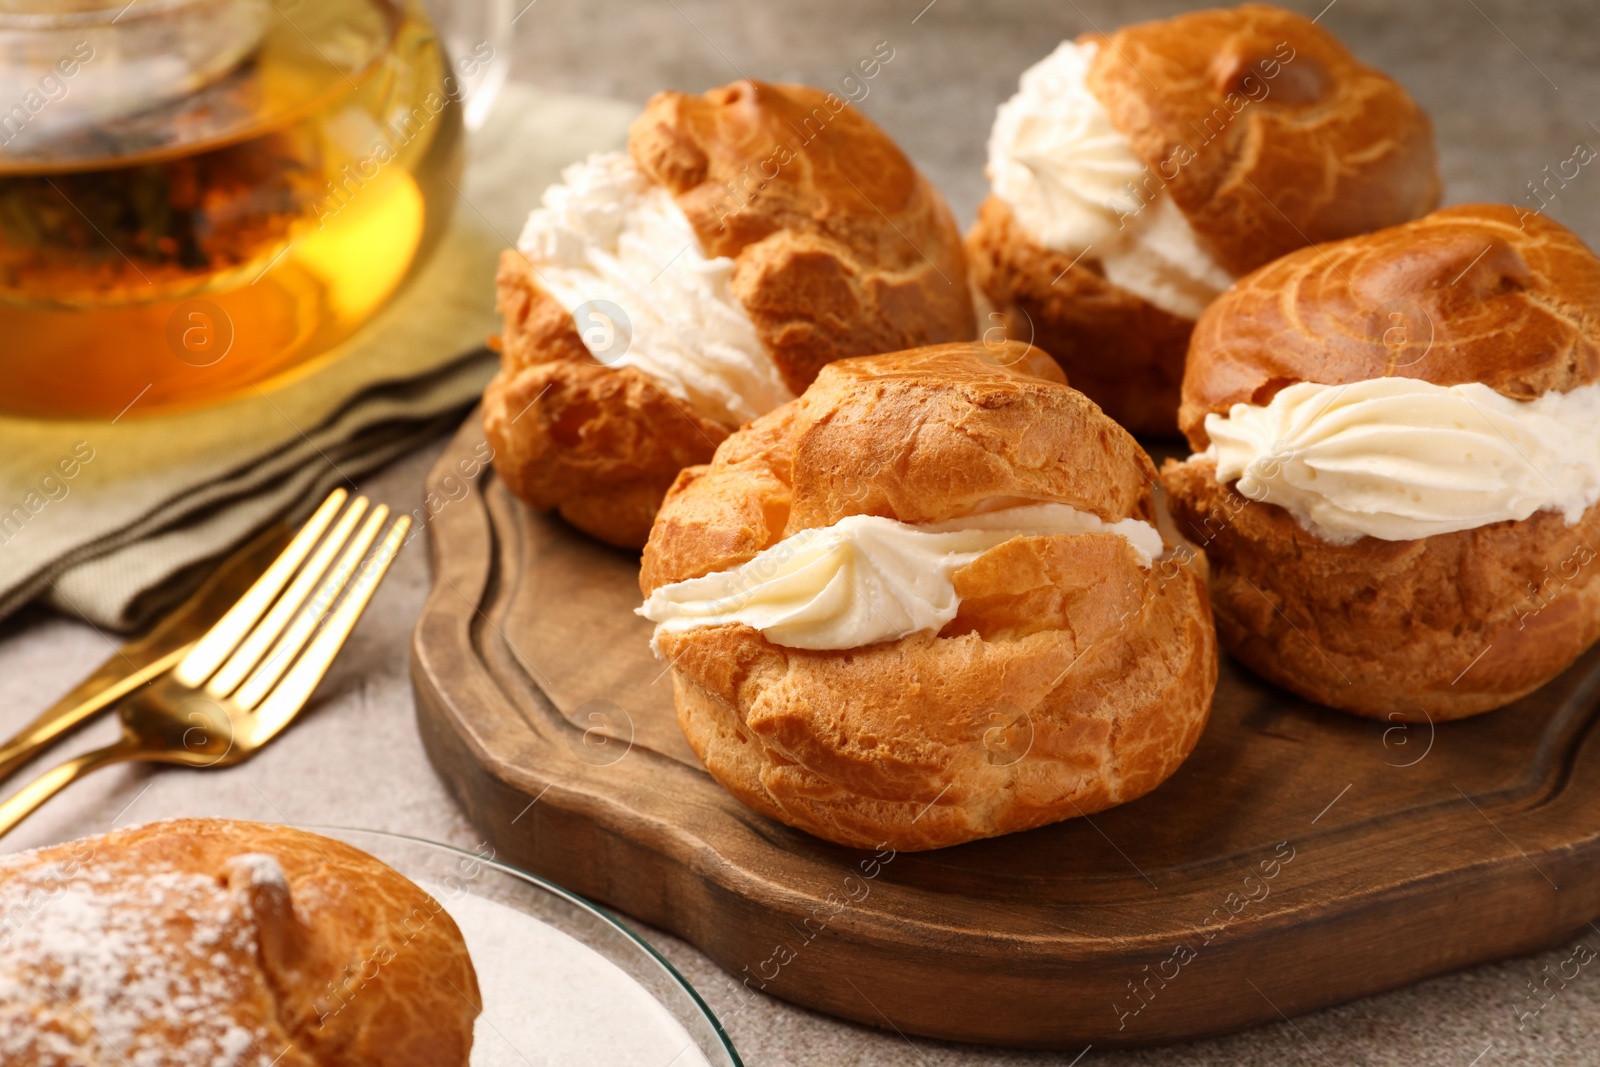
1301	857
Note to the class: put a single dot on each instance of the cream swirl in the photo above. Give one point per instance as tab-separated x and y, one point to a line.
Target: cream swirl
866	578
1401	458
1073	182
606	233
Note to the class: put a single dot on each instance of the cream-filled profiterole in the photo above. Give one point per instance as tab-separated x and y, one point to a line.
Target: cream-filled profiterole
1403	523
1134	176
926	602
660	298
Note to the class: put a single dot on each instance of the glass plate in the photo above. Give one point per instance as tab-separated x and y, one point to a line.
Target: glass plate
563	981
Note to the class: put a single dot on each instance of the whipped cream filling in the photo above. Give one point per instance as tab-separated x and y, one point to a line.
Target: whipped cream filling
1399	458
866	578
615	250
1073	182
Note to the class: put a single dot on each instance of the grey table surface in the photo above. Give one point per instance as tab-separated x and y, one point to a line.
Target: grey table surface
1512	87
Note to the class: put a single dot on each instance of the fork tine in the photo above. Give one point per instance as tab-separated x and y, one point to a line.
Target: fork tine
229	630
260	683
295	689
232	672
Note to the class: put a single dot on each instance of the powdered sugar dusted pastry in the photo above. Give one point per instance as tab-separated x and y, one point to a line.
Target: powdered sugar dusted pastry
1397	468
212	943
926	603
661	297
1134	176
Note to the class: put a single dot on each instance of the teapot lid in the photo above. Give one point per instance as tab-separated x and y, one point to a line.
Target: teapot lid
86	84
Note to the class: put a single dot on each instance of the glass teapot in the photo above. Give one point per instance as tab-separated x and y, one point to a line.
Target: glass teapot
200	196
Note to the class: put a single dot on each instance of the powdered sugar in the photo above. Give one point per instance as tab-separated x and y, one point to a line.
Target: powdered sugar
260	869
106	964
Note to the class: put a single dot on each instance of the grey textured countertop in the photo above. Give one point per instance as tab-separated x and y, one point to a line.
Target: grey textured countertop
1512	88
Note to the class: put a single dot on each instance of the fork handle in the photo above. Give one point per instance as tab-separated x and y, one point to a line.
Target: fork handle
100	692
28	799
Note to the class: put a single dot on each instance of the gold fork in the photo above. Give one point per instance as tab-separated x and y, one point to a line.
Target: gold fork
245	680
147	657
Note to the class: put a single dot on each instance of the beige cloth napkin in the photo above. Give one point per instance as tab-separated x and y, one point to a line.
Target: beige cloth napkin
152	503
